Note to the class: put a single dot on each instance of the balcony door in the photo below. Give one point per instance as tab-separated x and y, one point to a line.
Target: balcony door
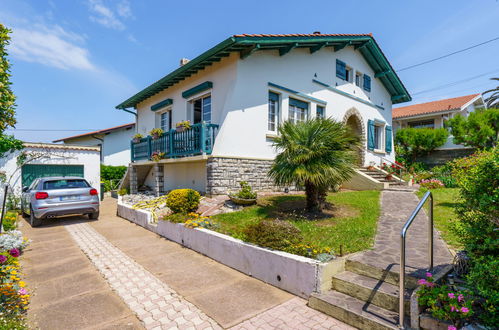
201	109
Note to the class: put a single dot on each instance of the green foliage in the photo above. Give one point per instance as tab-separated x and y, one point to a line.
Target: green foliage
317	154
183	200
7	97
13	322
478	179
123	191
9	144
444	174
493	99
10	221
108	172
445	303
245	192
13	202
411	142
479	130
156	132
273	234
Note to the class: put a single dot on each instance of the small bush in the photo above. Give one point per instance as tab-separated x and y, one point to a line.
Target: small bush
274	234
123	191
108	172
245	192
431	184
183	200
10	221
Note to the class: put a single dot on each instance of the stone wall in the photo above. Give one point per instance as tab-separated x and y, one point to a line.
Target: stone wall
442	156
224	175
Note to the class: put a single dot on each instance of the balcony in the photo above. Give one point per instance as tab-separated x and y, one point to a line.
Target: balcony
198	140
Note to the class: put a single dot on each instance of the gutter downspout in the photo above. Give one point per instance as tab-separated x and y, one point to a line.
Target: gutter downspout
133	113
101	145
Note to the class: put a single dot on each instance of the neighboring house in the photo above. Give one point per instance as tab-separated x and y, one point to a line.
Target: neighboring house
114	143
236	95
434	114
51	160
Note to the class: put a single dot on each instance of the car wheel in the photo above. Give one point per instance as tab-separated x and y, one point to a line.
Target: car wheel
94	215
34	221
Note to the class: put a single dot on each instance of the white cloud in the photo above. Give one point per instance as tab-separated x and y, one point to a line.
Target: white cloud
106	16
52	46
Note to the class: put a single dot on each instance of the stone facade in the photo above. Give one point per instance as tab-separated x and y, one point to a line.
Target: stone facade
224	175
133	180
159	185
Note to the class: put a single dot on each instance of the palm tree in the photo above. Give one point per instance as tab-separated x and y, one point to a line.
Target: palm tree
493	100
316	154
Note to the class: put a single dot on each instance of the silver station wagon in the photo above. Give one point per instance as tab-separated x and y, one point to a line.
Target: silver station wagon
56	196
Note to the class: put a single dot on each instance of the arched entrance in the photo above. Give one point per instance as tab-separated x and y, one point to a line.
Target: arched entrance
353	119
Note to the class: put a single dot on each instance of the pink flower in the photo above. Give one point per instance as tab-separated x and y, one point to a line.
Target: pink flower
451	295
22	291
15	253
451	327
460	298
2	258
464	310
422	282
453	309
430	284
429	274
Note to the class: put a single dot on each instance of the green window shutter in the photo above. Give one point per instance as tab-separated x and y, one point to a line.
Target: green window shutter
370	134
367	83
341	70
298	103
197	89
388	139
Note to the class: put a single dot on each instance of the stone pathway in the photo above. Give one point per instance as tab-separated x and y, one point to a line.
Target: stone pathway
293	314
154	303
396	207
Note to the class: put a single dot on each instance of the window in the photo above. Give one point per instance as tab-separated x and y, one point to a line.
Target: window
377	137
65	184
422	124
358	79
341	69
367	83
166	121
320	112
298	111
202	109
273	120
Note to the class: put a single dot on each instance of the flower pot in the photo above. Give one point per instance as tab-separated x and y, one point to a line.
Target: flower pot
242	201
155	136
136	140
180	129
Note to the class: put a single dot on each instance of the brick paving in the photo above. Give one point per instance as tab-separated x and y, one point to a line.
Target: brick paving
293	314
154	303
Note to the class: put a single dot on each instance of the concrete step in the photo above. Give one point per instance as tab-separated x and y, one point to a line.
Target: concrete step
386	275
353	311
370	290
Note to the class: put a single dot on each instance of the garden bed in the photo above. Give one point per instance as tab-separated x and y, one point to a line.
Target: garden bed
296	274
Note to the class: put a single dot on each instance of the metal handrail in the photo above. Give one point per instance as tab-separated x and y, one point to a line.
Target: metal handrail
403	233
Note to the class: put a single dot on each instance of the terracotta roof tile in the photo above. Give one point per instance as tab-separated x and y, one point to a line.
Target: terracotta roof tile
102	131
434	106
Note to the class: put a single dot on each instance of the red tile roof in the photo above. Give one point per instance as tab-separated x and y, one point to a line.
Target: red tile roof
430	107
102	131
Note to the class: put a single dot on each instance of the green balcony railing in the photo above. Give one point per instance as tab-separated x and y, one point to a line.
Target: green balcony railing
198	140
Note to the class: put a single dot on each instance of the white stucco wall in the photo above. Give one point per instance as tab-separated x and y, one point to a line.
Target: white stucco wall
115	147
90	159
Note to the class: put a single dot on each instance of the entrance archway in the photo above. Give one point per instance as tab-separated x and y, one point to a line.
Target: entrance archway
353	119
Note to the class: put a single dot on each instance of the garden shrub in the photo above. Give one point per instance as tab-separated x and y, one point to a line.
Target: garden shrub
111	176
123	191
274	234
183	200
13	239
444	174
431	184
415	142
478	179
245	192
9	221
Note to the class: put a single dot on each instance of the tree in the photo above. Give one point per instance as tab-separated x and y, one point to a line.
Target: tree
480	130
317	154
493	100
411	143
7	98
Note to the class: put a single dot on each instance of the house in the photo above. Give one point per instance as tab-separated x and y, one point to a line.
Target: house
434	114
236	95
114	143
46	159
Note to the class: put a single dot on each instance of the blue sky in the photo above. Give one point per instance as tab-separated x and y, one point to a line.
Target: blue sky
74	61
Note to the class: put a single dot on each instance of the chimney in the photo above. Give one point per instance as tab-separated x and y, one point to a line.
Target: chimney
317	32
184	61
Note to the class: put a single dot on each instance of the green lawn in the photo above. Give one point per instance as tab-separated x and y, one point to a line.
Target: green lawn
445	200
351	223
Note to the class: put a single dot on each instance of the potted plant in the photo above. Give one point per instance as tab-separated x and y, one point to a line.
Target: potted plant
137	137
156	133
245	196
157	156
183	126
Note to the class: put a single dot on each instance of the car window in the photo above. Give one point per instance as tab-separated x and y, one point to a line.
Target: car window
33	184
65	184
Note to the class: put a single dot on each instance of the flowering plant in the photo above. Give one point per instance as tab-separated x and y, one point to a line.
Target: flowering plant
431	183
444	303
156	133
194	220
13	239
136	138
157	156
14	297
184	124
311	251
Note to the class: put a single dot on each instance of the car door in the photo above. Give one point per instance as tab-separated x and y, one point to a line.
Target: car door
26	196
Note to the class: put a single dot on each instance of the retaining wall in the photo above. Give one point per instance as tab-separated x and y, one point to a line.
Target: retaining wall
295	274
